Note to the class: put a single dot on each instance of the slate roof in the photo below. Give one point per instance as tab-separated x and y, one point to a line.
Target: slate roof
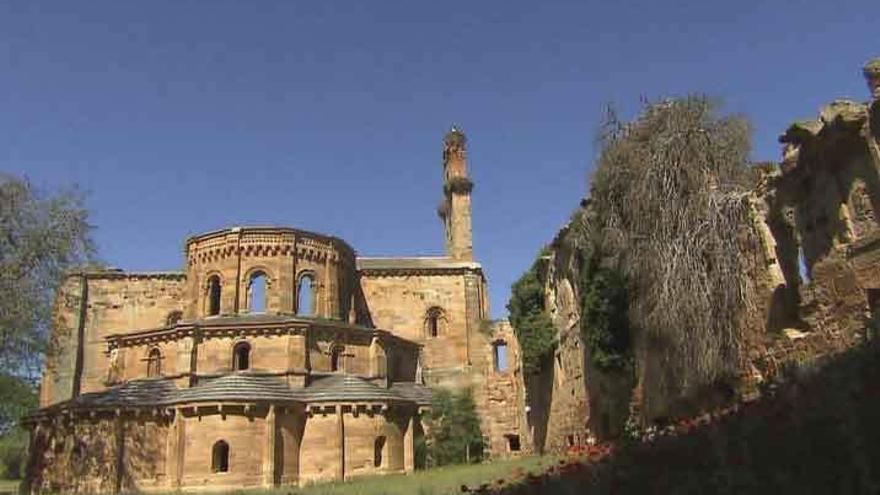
248	387
415	392
346	387
414	263
255	318
133	393
237	386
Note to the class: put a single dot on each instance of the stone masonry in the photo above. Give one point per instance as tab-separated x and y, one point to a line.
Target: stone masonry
276	357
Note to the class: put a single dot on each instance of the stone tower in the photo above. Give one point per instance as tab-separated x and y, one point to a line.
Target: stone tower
455	208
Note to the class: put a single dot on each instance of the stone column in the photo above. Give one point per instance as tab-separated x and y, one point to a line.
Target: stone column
269	449
171	453
180	431
119	439
409	457
340	439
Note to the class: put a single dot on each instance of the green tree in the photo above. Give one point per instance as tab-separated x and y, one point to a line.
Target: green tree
454	425
532	325
41	237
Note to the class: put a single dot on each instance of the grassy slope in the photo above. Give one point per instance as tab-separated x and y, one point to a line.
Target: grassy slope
439	481
9	486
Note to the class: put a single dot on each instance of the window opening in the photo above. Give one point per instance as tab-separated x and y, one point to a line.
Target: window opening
154	363
257	293
378	447
500	352
803	267
513	443
335	354
433	321
172	318
241	356
305	305
220	457
214	296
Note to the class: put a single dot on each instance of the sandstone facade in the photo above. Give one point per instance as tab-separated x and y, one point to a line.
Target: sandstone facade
277	357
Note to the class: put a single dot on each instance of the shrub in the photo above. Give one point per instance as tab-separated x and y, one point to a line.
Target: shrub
19	396
454	429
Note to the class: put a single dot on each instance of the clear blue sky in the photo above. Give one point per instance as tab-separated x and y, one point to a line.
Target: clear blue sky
180	117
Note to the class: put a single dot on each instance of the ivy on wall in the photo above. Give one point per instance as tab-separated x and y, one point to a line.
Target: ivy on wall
532	325
604	321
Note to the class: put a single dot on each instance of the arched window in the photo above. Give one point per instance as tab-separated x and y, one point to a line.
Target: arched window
172	318
305	293
378	447
335	357
241	356
434	320
154	363
220	457
500	354
214	295
256	292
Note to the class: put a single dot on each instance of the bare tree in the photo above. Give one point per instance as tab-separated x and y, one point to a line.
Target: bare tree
669	199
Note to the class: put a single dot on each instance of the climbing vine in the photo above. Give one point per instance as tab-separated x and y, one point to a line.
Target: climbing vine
604	319
532	325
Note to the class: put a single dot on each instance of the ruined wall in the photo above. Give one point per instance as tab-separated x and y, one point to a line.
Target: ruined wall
499	392
559	406
812	251
820	206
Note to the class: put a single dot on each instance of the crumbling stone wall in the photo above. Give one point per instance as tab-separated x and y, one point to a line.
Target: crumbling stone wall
559	409
820	206
813	252
499	393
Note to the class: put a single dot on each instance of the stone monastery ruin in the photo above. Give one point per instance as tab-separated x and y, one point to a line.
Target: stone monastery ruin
278	357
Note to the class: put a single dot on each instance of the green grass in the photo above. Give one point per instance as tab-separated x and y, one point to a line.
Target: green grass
9	486
437	481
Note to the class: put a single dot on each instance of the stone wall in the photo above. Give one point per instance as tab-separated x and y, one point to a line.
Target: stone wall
90	307
285	256
401	302
100	455
106	452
